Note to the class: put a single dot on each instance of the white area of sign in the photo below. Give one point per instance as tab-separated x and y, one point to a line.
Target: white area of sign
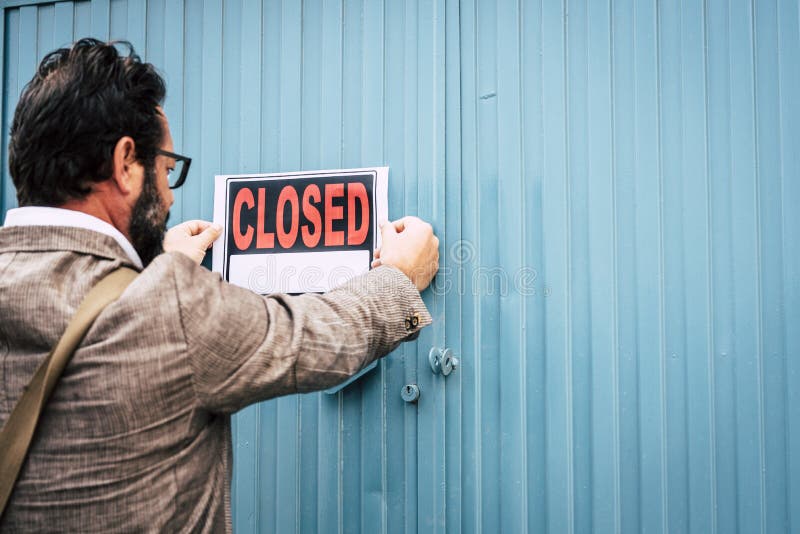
297	272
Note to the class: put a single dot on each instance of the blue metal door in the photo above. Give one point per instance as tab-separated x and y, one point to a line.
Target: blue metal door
614	183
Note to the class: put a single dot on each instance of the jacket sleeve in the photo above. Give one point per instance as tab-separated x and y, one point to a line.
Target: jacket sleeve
244	348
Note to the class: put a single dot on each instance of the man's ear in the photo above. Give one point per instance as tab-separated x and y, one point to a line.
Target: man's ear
125	164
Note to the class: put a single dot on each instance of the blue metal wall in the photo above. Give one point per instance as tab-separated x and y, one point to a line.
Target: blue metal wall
616	185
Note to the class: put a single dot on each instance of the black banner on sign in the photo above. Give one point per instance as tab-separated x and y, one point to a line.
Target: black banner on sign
315	213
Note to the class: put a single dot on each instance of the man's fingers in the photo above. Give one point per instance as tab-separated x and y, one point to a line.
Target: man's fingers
376	258
192	227
209	235
195	226
192	238
410	245
395	227
388	232
409	221
400	224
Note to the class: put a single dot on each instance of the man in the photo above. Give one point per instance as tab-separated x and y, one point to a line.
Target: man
136	436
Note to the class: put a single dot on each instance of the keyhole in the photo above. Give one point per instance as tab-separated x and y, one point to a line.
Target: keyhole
410	392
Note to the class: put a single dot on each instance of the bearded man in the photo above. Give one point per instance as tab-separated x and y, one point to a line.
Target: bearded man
137	434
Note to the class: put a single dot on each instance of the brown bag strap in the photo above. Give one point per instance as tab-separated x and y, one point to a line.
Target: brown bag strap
17	433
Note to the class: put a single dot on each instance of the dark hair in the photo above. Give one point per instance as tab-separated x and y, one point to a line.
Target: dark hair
80	102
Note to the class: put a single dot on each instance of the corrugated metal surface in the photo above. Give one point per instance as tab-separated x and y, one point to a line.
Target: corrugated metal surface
630	169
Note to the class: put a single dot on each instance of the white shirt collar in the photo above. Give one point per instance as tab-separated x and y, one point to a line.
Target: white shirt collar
42	216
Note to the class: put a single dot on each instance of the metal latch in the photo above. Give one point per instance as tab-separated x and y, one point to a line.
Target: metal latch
442	361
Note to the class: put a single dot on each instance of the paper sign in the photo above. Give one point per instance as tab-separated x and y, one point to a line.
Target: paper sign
298	232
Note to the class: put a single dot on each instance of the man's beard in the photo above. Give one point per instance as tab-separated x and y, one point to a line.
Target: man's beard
149	220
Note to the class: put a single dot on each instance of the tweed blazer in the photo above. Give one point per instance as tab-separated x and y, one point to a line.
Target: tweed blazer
136	436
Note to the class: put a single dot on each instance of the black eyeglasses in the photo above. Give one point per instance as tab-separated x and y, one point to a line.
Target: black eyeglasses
177	175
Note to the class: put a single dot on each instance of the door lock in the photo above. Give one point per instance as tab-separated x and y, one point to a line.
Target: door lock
442	361
410	392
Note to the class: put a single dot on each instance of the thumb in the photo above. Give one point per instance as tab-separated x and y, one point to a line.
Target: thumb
400	224
194	227
209	235
388	231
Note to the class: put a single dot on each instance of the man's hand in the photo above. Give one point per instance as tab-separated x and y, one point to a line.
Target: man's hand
409	245
192	238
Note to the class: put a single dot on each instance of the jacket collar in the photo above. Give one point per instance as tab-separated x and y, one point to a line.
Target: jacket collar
50	216
63	238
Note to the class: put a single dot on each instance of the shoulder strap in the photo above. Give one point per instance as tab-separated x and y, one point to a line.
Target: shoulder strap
17	433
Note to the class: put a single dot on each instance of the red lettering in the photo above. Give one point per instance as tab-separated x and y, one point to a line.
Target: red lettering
311	213
317	204
333	213
242	240
263	239
287	239
357	191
